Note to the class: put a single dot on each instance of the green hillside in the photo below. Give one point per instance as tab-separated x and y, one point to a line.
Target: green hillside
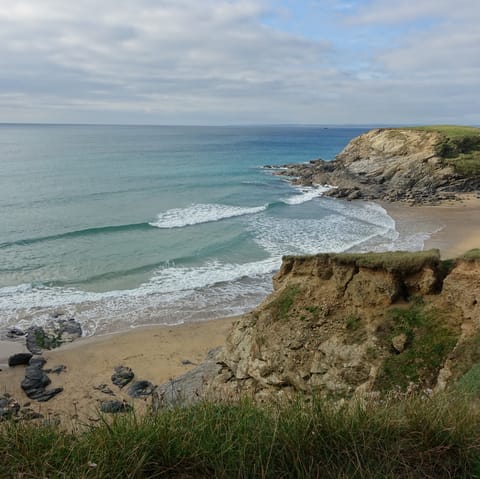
460	147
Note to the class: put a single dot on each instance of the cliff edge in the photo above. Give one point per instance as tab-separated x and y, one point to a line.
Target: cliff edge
418	165
340	325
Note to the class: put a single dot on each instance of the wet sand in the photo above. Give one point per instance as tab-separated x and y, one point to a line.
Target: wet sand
456	224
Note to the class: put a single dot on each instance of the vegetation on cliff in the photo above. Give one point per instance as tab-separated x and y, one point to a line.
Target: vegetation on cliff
341	326
459	146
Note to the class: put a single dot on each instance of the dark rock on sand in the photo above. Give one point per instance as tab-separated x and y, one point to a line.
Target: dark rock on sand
58	333
19	359
36	380
10	409
14	333
35	339
122	376
141	389
114	406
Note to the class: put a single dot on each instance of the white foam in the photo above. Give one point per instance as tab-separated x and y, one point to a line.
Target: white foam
306	193
171	296
169	280
201	213
341	229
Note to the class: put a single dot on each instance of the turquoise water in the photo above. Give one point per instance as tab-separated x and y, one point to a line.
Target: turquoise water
121	226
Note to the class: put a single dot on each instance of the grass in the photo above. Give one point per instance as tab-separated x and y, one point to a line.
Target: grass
470	381
410	438
465	365
459	147
428	342
283	303
451	131
397	261
472	255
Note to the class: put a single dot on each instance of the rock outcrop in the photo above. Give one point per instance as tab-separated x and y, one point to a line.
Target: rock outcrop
58	332
340	325
36	381
390	165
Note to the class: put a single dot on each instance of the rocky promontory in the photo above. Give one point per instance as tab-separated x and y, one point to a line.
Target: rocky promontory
416	165
343	325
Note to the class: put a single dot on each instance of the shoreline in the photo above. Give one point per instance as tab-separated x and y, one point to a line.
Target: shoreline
454	225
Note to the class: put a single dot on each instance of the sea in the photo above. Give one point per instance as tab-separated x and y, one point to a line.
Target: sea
124	226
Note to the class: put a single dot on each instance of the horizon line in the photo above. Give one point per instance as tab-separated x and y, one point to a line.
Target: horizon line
226	125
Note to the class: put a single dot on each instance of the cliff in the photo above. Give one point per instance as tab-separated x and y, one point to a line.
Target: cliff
420	165
339	325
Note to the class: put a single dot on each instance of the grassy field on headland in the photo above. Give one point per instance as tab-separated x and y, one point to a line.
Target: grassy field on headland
460	147
418	437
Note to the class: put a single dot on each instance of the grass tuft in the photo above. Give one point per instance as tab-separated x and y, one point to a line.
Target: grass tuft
395	261
428	342
283	303
472	255
408	438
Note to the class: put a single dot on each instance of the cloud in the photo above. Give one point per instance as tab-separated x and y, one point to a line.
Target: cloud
220	61
384	12
139	51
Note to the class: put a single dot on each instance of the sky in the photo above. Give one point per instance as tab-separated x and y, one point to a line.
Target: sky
215	62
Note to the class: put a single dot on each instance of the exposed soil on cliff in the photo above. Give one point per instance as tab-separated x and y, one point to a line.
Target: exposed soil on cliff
343	325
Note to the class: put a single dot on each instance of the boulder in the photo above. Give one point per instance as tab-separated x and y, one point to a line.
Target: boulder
141	389
122	376
399	342
52	336
189	387
19	359
36	380
114	406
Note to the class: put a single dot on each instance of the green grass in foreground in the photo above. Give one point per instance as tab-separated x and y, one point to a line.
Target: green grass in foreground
409	438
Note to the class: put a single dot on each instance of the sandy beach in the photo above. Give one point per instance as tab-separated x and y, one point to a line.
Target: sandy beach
155	353
456	224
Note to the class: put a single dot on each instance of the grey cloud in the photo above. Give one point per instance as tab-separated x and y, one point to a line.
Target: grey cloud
385	12
184	61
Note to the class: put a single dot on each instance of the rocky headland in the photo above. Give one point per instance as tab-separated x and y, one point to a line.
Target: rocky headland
344	326
415	165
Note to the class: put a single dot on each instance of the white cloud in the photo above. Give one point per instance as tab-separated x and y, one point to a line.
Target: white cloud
184	61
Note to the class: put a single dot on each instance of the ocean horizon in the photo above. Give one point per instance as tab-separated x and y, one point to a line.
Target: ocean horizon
122	226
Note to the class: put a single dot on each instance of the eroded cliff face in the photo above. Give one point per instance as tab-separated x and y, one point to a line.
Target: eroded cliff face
390	164
341	325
